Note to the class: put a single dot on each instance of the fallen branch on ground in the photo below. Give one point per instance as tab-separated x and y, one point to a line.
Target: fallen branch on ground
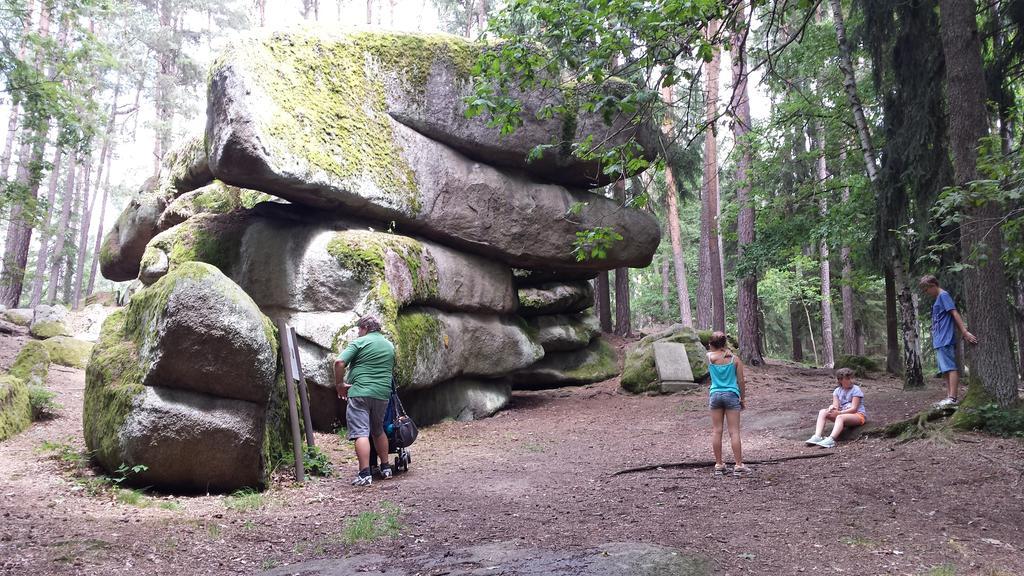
710	463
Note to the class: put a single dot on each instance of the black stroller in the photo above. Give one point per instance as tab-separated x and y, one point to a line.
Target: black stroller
401	432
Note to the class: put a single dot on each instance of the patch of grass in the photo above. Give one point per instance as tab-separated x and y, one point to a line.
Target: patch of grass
132	497
342	433
944	570
533	447
269	563
92	485
169	505
370	526
859	542
249	525
213	530
245	500
64	453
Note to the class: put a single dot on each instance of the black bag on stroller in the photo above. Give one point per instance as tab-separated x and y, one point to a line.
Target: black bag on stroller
400	430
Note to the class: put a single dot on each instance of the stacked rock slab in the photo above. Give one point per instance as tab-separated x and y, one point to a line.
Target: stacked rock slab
340	178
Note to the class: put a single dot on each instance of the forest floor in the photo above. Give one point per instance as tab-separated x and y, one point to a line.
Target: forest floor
539	477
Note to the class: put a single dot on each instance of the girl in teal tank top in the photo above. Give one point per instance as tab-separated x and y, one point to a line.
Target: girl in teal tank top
726	399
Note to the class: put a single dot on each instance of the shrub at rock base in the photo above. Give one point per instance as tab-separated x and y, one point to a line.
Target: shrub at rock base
68	351
15	409
640	375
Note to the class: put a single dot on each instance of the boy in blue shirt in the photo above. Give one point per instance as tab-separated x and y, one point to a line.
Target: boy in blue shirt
944	316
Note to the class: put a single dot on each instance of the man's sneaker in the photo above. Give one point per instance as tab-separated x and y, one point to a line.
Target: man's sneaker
946	403
827	443
813	440
361	480
385	472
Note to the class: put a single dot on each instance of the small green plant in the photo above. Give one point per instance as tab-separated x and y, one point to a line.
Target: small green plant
64	453
1008	422
342	433
132	497
213	530
370	526
533	447
125	471
245	500
268	563
944	570
41	400
316	462
169	505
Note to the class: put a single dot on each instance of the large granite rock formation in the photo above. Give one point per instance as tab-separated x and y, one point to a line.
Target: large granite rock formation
338	178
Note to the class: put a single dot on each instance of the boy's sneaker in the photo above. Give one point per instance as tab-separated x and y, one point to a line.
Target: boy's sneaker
363	479
827	443
385	472
946	403
813	440
718	472
375	471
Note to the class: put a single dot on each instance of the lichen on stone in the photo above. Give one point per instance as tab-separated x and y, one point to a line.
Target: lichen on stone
333	92
417	339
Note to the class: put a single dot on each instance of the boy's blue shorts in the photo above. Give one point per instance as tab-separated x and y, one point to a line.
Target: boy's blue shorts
946	357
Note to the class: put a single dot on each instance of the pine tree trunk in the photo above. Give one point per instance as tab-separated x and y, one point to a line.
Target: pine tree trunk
892	347
12	132
746	295
604	308
43	255
986	287
99	227
849	329
83	234
20	226
672	207
666	287
827	353
60	234
623	325
710	293
794	332
850	87
1019	316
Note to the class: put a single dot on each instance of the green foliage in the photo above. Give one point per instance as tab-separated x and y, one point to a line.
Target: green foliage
64	453
125	471
594	243
370	526
861	365
316	462
132	497
41	400
245	500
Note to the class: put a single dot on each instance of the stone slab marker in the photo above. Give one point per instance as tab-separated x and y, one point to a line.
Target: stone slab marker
673	367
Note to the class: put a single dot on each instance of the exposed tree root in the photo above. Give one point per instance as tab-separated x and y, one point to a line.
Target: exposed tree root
916	427
710	463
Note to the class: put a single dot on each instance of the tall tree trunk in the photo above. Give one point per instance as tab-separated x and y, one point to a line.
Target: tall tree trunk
1018	298
369	12
99	228
913	375
666	286
12	132
893	365
849	330
991	360
83	233
746	295
60	234
604	308
711	295
623	323
19	230
672	207
794	331
827	353
43	255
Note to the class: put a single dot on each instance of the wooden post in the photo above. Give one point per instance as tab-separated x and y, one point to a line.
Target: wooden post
293	412
303	390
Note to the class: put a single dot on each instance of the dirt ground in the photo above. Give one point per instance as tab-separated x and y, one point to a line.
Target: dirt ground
539	475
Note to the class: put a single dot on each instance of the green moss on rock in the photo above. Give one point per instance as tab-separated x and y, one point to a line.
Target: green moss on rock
15	408
417	338
68	351
32	363
18	316
861	365
49	329
113	383
601	364
333	92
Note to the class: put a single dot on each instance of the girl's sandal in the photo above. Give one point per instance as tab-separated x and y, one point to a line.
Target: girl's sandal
740	471
719	471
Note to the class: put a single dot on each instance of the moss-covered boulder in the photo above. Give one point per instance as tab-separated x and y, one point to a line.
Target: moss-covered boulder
639	374
214	198
595	363
188	368
564	332
68	351
49	321
861	365
462	399
19	316
308	118
15	409
555	298
186	167
32	363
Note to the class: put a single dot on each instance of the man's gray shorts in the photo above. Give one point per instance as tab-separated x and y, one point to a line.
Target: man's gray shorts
364	417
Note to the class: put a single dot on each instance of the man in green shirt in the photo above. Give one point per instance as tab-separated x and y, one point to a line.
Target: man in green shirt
370	360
